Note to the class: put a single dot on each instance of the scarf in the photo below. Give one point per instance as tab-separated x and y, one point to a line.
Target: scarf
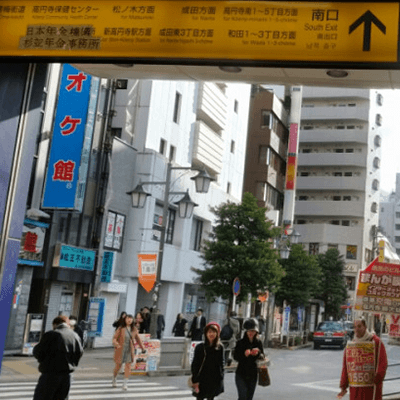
366	338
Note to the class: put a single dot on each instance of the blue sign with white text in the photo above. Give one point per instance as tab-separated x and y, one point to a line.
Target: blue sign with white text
107	266
77	258
67	140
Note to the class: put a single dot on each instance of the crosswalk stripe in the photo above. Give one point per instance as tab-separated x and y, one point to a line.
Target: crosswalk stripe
87	390
78	386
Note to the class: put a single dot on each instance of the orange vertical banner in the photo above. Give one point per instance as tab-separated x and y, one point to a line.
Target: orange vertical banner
147	270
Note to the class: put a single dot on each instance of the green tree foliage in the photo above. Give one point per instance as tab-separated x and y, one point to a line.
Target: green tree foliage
240	246
333	290
302	278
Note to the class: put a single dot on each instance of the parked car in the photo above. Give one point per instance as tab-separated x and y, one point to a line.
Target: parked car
349	326
330	333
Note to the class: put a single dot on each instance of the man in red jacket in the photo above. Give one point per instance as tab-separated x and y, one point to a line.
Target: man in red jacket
364	365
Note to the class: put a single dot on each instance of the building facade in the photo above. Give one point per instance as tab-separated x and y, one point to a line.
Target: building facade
338	175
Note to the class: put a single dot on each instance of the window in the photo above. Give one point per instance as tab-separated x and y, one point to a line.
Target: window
351	252
398	215
338	150
304	174
116	132
346	222
348	174
397	227
264	155
335	222
303	198
378	119
333	246
337	174
196	235
163	146
177	107
228	188
301	222
266	193
352	104
232	146
336	198
377	162
349	150
308	127
121	84
379	99
266	119
377	141
374	207
375	184
157	223
346	198
351	282
313	248
172	151
350	127
306	151
397	239
340	127
236	106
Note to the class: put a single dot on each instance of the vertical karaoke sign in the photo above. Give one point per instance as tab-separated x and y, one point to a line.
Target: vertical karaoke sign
62	180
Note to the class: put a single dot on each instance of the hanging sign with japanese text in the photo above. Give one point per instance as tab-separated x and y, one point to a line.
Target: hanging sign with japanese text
61	187
74	257
360	360
202	30
107	266
32	241
147	270
378	289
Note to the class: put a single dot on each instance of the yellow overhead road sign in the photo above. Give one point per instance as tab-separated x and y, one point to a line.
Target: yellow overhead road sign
201	30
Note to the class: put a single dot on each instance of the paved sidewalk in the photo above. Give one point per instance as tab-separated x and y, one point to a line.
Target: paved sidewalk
94	363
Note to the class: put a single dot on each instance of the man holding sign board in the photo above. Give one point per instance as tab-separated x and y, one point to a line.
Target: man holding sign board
364	365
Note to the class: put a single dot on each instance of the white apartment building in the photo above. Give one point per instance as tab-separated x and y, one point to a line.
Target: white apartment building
338	174
191	124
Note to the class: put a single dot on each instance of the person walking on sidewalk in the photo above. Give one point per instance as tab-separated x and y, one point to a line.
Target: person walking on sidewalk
208	364
124	348
197	326
248	350
58	353
180	327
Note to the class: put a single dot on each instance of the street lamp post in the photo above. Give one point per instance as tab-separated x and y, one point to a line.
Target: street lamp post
186	206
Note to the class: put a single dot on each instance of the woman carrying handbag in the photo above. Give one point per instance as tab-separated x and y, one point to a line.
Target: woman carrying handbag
123	342
247	352
208	365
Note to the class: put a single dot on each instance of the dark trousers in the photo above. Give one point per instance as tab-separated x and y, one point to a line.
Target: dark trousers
52	386
246	386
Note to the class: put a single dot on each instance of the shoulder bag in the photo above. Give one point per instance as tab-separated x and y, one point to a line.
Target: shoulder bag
263	375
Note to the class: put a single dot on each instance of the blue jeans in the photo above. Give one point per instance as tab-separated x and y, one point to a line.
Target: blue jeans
52	387
246	386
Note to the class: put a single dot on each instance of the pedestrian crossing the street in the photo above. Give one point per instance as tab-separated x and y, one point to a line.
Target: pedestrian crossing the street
102	390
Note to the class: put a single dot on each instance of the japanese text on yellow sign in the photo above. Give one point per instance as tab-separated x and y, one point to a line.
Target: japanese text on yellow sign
360	361
213	30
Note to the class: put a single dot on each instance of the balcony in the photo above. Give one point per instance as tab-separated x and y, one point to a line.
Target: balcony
327	233
353	114
330	183
332	159
208	147
342	94
334	136
212	106
334	209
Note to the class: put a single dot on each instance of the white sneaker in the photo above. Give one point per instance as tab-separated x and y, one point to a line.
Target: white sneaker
114	383
124	386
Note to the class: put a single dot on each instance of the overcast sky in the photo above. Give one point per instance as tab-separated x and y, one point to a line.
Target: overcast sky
390	162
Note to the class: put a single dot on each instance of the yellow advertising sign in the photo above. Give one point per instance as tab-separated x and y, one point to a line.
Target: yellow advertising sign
201	30
360	362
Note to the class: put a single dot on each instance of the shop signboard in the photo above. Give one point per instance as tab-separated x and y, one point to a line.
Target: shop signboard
97	307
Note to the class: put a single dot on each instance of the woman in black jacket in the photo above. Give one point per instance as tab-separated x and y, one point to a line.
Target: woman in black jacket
248	350
180	325
208	364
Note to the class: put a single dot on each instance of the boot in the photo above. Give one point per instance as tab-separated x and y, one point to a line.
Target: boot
125	385
114	382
